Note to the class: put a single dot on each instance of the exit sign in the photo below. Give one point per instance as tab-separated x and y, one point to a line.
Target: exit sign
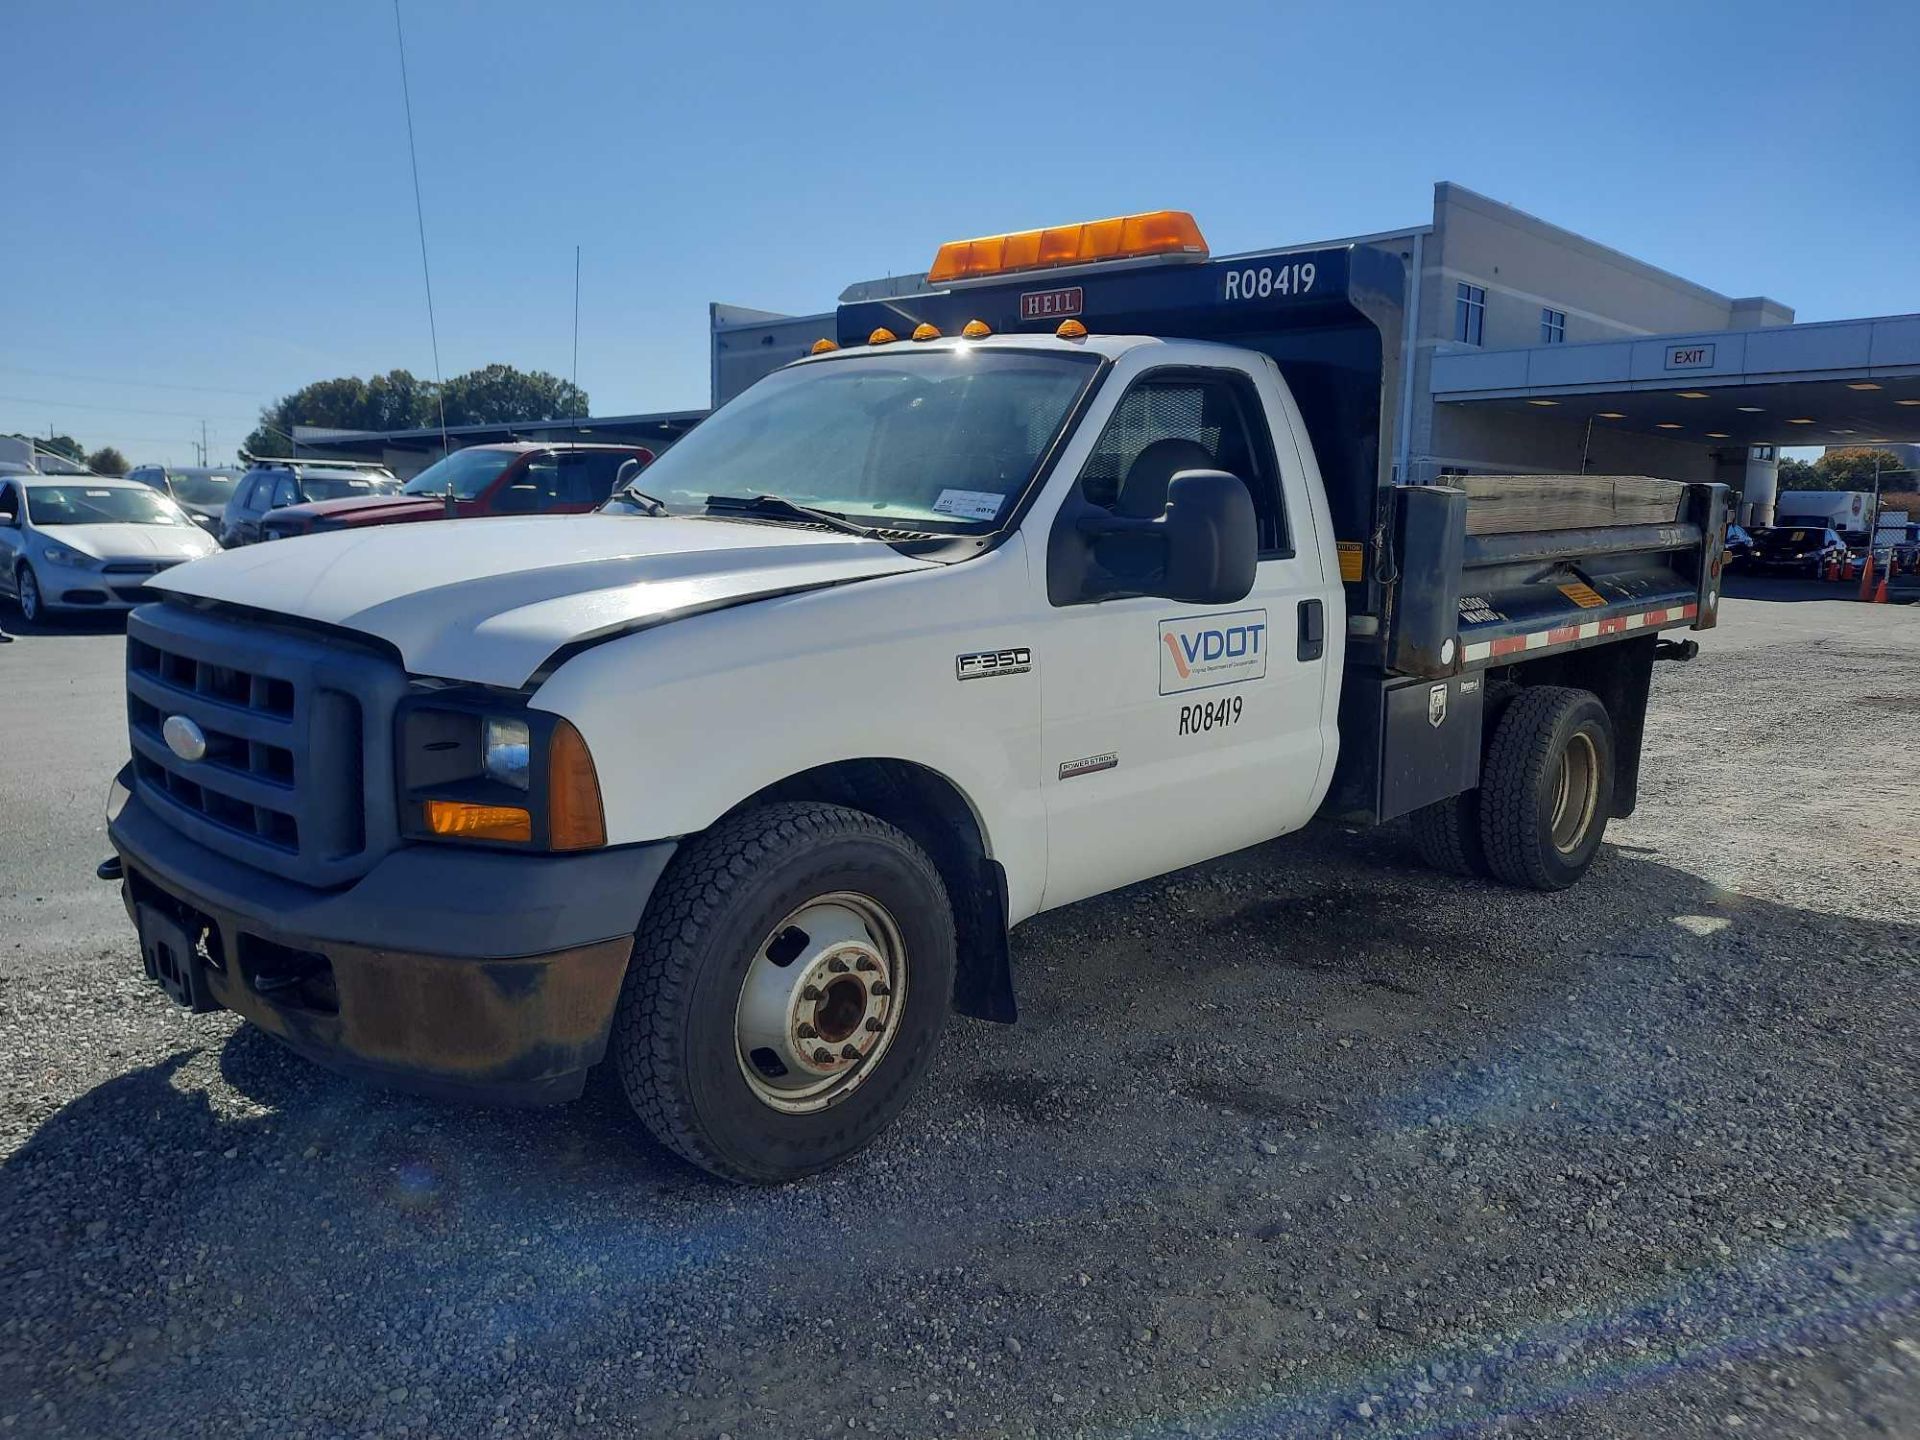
1689	357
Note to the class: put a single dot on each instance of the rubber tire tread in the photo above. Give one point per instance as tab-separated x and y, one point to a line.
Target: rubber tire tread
698	886
1516	765
1447	834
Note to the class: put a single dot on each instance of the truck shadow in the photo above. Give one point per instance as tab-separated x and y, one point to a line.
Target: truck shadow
231	1216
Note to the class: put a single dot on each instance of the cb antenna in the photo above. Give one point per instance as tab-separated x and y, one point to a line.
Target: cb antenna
420	220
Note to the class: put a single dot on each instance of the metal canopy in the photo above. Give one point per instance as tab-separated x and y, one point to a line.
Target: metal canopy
1846	382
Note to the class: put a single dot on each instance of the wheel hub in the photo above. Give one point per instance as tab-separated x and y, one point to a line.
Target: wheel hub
819	1002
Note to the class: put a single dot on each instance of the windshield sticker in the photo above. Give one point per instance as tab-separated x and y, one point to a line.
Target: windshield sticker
1202	651
969	504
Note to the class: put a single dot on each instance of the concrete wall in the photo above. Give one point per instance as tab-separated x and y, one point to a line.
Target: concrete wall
1526	265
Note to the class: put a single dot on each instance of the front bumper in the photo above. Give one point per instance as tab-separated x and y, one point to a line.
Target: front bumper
464	973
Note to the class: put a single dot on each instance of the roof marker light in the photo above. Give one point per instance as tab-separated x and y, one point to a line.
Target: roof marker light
924	331
823	345
1071	330
1907	402
1803	421
1863	385
1543	402
882	336
1718	435
1693	394
1753	409
1169	233
976	330
1667	425
1610	415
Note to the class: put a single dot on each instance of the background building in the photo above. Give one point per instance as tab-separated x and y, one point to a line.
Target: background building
1533	350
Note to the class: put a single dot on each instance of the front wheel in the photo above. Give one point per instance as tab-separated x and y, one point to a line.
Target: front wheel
788	986
1546	787
33	606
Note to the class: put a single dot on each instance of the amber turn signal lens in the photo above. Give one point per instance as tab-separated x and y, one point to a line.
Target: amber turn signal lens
926	332
882	336
823	345
460	821
1124	237
575	820
1071	330
976	330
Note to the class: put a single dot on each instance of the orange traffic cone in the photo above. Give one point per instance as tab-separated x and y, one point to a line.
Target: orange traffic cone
1866	579
1880	590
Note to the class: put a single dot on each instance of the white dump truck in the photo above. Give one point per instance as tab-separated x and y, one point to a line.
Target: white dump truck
1085	564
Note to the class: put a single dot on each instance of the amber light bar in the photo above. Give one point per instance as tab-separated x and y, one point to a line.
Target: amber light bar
1170	233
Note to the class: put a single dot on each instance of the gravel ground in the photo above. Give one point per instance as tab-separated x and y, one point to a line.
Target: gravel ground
1307	1141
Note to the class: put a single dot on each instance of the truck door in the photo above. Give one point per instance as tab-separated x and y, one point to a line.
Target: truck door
1172	733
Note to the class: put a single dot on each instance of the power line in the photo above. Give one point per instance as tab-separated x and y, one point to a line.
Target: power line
122	380
420	220
123	409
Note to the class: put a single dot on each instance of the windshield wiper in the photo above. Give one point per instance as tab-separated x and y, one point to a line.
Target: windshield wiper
649	504
779	505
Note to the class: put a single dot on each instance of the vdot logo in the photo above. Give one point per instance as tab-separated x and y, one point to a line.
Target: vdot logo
1202	651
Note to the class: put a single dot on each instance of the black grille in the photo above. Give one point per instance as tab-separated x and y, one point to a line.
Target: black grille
285	719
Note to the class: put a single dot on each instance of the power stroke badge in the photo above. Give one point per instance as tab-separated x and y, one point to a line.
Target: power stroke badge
1202	651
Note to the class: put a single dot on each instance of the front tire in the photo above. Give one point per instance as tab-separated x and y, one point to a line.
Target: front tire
1546	787
788	986
33	605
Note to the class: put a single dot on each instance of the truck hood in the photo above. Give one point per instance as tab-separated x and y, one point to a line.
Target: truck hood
489	604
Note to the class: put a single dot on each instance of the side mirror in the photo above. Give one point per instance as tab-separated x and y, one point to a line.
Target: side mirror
629	469
1213	543
1202	549
9	519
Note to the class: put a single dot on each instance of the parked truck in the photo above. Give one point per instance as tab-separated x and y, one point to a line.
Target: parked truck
1085	564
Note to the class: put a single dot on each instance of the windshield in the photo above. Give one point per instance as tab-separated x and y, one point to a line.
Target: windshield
51	464
1800	539
81	505
941	440
471	471
194	489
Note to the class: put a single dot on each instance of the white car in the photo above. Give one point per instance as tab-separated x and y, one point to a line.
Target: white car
72	543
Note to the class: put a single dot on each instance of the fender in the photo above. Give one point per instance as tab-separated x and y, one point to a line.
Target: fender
686	720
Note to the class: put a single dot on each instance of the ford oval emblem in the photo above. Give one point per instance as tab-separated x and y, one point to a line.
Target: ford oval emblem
184	738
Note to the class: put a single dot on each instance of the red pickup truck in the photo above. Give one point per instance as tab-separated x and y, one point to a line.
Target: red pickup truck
516	478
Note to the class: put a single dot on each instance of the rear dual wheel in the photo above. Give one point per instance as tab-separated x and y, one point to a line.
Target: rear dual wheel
1546	790
788	987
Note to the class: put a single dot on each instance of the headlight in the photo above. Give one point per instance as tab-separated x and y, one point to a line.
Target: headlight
506	754
469	772
73	559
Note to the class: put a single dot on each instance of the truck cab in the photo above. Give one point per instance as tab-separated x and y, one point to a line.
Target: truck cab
1049	579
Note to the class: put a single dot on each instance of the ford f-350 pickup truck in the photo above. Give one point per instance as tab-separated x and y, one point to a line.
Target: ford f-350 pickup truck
1085	564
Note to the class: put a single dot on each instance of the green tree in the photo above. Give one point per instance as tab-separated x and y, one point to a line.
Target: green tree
399	400
1851	468
499	394
59	444
108	461
1798	475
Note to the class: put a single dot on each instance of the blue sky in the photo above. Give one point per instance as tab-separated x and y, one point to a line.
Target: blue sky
212	205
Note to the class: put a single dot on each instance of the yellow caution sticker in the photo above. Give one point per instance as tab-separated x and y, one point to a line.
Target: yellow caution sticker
1583	595
1353	560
